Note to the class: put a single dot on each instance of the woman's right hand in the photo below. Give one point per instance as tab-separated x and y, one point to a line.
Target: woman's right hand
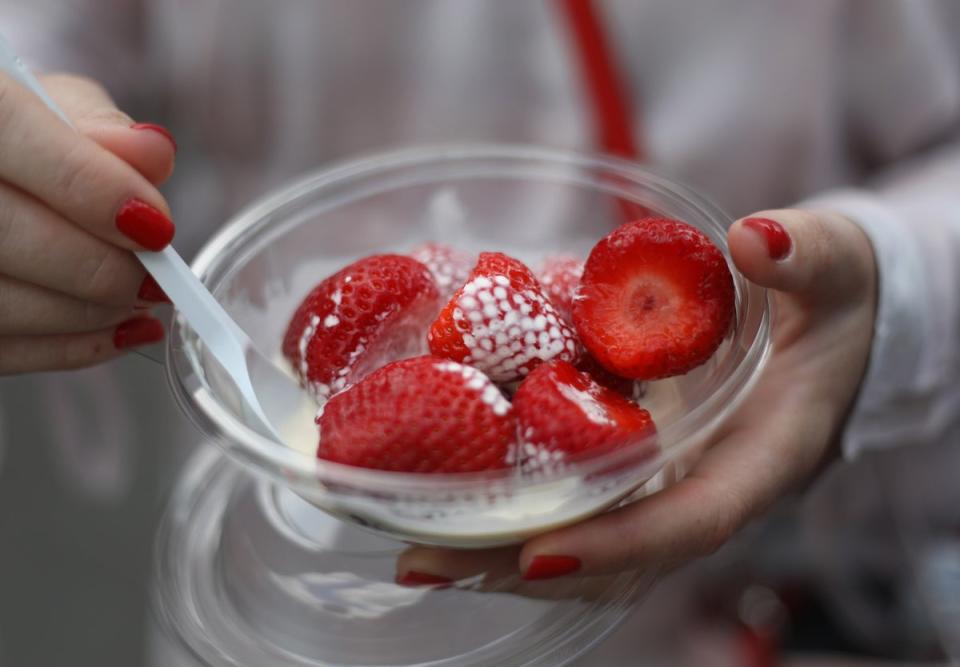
74	206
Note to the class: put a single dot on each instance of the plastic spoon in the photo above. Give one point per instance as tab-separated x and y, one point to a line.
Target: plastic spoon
269	395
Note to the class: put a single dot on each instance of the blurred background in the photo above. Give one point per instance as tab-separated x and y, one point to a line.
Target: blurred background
755	103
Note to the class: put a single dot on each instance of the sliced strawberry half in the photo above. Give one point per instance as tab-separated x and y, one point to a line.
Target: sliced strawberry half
655	300
563	413
374	311
419	415
450	266
502	322
560	277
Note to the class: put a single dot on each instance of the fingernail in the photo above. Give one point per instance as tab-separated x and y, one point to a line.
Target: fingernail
159	129
548	567
151	291
778	241
136	332
145	225
414	578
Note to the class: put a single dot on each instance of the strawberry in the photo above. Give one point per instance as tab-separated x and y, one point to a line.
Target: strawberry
656	299
419	415
501	322
563	413
560	277
373	311
450	266
629	389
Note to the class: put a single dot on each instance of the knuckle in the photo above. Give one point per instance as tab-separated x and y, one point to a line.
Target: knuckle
106	277
817	251
77	174
730	513
715	537
8	217
8	100
630	551
817	232
17	220
822	235
106	116
842	253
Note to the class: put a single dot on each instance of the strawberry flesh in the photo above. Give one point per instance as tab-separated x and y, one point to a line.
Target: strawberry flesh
374	311
424	415
502	322
563	413
656	299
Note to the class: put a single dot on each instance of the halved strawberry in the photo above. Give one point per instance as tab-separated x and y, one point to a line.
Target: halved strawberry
450	266
562	412
560	277
501	322
656	299
419	415
374	311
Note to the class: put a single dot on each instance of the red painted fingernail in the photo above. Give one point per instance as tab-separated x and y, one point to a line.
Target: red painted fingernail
548	567
151	291
778	241
145	224
414	578
159	129
136	332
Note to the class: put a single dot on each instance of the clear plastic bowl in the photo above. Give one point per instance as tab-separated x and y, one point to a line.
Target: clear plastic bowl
526	201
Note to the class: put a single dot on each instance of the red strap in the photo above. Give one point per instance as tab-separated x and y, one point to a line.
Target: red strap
611	112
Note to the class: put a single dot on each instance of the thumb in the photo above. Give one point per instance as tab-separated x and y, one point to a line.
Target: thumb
146	147
816	254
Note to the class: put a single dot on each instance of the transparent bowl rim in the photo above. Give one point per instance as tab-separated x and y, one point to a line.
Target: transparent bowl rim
287	464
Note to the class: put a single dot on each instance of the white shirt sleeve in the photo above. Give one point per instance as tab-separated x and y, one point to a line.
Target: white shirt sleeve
911	391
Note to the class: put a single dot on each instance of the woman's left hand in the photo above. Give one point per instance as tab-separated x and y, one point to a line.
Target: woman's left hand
821	271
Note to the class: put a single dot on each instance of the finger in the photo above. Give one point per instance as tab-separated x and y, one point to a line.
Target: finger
31	310
148	148
820	255
71	174
431	566
489	571
29	354
735	480
38	246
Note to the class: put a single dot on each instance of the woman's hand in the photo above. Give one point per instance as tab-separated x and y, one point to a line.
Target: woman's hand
821	269
74	205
